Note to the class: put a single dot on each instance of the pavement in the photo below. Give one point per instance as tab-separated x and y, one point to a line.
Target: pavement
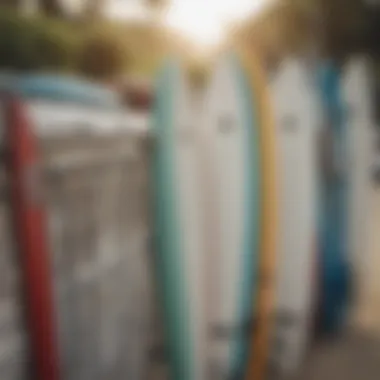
355	356
367	313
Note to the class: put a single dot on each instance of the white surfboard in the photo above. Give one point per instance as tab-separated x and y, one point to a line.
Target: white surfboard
360	123
189	187
179	224
296	115
356	92
231	182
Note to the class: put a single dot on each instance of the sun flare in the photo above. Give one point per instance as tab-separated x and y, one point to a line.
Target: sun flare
204	21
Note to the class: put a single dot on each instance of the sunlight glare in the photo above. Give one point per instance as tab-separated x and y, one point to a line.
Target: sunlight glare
204	20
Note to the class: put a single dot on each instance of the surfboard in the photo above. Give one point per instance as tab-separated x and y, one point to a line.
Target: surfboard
333	239
356	94
178	224
262	302
356	88
231	157
297	123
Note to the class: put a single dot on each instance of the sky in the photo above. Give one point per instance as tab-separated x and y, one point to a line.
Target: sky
200	20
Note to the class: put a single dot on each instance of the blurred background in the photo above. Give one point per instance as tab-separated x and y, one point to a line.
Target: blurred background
118	45
134	35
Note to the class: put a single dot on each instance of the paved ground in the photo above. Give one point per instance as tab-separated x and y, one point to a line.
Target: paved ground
354	357
368	309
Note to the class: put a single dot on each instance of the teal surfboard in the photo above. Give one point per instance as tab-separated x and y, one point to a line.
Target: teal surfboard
231	157
333	236
178	224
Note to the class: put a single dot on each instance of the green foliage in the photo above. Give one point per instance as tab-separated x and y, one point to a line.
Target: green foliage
34	44
54	47
15	50
98	50
93	47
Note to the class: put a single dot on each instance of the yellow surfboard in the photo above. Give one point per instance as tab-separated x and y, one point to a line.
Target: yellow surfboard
264	299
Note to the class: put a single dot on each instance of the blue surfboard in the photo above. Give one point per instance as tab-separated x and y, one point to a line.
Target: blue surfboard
333	242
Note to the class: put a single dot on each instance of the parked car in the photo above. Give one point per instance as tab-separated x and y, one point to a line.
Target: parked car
65	104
